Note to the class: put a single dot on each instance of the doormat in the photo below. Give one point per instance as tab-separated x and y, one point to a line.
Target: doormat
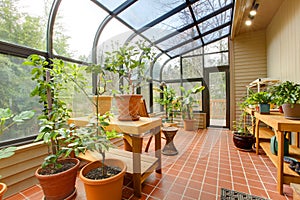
227	194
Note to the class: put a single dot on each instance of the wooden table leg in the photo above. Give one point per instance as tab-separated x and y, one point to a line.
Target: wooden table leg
257	136
280	138
136	151
158	148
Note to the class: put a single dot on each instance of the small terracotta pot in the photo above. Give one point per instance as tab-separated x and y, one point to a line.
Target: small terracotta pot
128	106
104	189
59	186
3	189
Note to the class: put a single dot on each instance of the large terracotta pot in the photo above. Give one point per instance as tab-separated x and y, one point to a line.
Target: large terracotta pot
104	103
190	124
110	188
3	189
62	185
128	106
291	111
243	142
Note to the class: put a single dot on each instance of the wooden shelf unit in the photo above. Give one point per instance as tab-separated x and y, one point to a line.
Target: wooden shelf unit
278	125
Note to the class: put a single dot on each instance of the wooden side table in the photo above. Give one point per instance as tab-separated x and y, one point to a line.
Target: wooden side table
169	148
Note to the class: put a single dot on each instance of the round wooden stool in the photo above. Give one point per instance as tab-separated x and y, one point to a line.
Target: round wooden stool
169	148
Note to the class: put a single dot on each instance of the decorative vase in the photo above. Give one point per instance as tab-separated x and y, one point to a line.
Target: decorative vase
190	124
3	189
291	111
243	142
128	106
109	188
104	103
61	185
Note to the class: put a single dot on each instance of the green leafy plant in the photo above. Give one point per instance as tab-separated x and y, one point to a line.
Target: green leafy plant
129	61
239	127
286	92
169	100
52	77
8	119
262	97
187	100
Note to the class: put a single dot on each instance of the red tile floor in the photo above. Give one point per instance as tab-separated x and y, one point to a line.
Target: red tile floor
207	161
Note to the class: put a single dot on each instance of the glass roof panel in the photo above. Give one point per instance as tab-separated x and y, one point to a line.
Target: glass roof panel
215	21
111	4
220	45
78	28
169	25
144	11
179	38
217	34
203	8
185	48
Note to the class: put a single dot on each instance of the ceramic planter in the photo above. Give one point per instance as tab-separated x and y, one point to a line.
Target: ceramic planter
59	186
243	142
110	188
104	103
291	111
264	108
3	189
128	106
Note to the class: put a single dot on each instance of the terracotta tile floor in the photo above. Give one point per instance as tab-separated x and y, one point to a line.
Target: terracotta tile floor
207	161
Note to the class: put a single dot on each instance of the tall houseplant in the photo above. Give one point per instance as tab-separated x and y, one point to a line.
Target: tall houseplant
7	120
169	101
58	172
187	102
129	61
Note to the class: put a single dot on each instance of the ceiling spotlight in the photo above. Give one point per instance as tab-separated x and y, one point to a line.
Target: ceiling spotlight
248	22
252	12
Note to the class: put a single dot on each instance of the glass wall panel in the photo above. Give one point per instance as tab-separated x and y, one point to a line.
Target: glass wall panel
217	59
171	70
198	51
192	67
24	22
75	28
156	106
144	11
15	88
157	66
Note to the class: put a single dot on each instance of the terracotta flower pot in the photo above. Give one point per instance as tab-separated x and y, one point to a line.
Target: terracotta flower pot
104	103
110	188
190	124
128	106
3	189
61	185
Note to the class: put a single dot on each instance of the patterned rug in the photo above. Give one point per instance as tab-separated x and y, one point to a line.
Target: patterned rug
227	194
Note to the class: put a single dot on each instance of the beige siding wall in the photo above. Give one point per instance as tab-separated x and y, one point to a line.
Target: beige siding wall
283	42
18	171
248	62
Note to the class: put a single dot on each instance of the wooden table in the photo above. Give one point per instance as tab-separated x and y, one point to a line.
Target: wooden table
280	125
133	132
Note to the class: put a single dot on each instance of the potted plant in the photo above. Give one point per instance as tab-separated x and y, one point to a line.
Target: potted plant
169	101
187	101
242	137
58	173
287	95
104	177
129	61
261	99
7	116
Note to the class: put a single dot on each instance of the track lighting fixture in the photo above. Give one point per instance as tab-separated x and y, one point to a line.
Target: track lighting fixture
252	13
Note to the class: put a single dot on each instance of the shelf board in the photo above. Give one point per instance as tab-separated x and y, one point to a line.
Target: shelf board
293	151
265	133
